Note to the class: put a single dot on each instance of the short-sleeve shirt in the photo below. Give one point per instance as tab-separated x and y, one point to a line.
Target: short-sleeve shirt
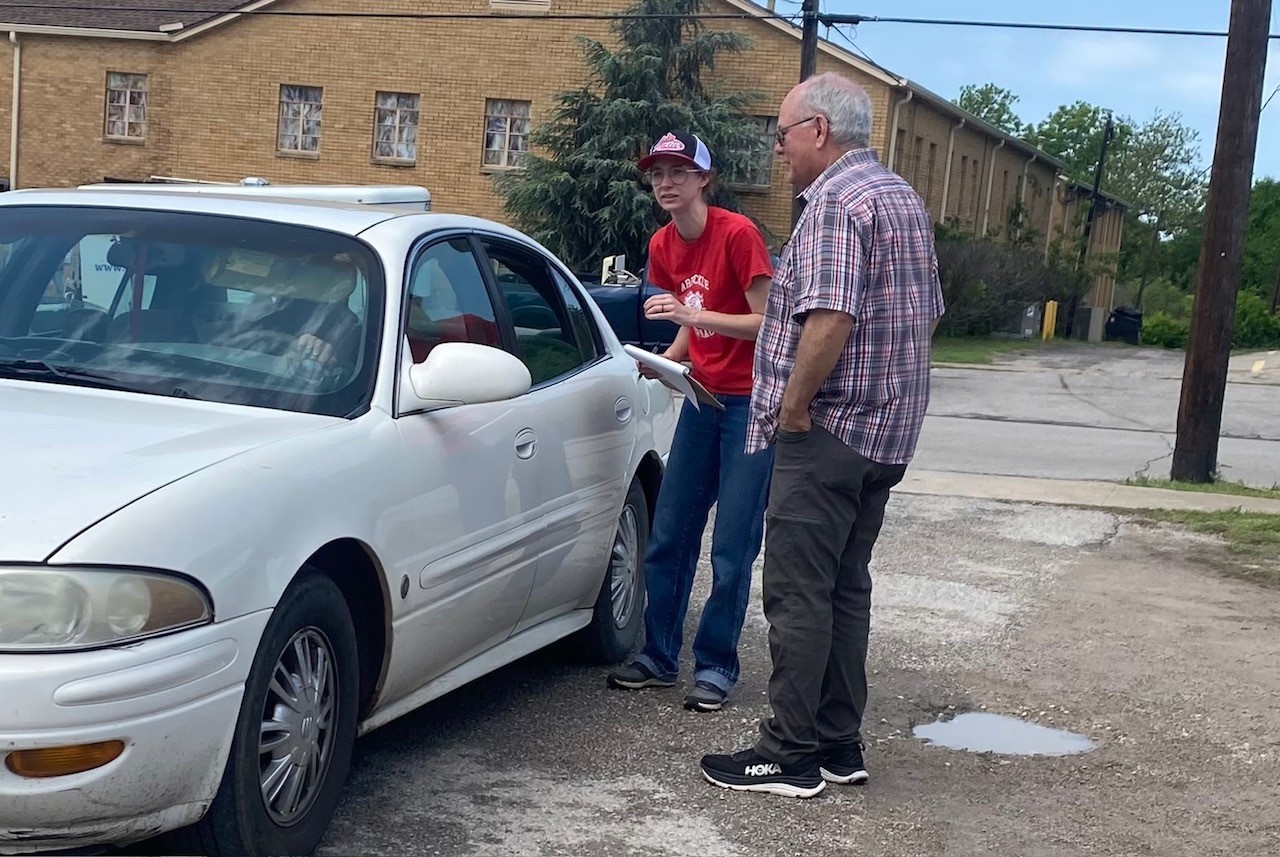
713	272
863	246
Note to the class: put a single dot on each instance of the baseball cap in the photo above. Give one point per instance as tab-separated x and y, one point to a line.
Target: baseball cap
677	144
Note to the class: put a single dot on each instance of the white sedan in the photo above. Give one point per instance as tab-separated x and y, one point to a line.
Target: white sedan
276	472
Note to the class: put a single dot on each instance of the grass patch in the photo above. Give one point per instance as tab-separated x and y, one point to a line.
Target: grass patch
977	349
1252	537
1238	489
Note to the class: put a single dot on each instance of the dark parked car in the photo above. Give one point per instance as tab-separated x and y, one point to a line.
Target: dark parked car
623	306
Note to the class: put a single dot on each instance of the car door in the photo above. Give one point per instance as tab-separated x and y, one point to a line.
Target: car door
583	415
476	495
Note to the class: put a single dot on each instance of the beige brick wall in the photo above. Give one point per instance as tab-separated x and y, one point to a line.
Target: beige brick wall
214	105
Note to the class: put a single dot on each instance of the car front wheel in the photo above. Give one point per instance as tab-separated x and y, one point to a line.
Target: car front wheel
294	737
619	610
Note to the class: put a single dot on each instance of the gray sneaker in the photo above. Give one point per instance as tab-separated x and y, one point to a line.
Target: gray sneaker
704	696
635	676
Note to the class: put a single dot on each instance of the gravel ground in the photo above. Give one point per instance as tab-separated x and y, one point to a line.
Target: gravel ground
1073	619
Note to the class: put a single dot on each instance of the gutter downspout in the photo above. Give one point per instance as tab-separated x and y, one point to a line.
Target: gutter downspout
946	175
991	176
893	132
15	110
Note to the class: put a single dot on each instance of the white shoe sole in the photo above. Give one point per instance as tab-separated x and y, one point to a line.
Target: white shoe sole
782	789
857	778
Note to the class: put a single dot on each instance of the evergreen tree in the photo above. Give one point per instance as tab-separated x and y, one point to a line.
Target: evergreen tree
581	195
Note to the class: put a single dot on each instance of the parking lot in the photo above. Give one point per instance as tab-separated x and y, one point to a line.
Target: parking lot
1077	619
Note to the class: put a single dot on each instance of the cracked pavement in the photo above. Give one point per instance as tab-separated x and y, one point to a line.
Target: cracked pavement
1076	411
1070	618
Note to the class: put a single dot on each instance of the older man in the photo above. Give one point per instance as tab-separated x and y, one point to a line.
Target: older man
841	386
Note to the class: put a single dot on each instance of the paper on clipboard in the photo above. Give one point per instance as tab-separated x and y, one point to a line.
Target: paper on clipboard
676	376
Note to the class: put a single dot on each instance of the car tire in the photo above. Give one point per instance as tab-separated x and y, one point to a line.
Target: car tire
619	610
311	626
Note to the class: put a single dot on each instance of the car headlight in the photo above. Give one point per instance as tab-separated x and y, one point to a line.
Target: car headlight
43	608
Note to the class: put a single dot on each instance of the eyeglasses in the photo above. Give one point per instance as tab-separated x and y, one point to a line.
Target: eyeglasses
781	134
678	175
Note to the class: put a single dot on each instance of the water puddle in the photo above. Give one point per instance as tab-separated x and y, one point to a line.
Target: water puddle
996	733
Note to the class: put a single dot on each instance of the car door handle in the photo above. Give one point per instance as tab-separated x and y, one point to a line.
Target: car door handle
622	408
526	444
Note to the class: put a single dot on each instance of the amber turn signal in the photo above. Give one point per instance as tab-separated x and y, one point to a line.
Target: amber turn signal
61	761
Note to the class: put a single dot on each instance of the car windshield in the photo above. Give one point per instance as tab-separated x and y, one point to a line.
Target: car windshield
224	309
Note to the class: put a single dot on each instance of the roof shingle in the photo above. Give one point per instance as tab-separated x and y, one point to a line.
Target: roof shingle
136	15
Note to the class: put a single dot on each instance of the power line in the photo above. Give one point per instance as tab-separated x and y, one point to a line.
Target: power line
1018	25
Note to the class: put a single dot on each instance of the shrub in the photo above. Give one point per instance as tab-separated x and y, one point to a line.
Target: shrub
1164	331
986	286
1256	326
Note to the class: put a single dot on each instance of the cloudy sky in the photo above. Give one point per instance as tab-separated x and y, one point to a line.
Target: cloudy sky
1130	74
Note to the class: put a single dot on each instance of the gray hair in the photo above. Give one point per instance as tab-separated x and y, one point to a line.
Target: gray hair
846	106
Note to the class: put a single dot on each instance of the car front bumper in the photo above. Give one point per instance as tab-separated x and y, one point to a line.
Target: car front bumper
173	702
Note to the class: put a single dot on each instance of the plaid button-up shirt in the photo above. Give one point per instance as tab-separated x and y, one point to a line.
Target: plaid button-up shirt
863	246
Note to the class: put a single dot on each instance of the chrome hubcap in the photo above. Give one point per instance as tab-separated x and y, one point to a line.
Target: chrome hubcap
296	736
624	561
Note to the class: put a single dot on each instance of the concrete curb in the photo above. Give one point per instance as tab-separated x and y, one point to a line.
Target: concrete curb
1070	492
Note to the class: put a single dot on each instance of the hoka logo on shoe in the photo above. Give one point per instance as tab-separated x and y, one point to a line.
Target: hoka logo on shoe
769	770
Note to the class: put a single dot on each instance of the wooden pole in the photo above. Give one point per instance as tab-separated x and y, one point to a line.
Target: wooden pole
1204	380
808	67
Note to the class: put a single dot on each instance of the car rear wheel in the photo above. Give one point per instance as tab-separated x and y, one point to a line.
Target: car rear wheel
619	610
294	737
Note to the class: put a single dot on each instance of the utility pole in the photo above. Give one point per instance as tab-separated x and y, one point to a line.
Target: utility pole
808	67
1108	134
1204	380
809	40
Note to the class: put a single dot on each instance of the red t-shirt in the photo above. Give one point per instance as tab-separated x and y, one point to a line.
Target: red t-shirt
713	272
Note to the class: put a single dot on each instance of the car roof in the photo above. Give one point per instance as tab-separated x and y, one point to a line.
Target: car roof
342	217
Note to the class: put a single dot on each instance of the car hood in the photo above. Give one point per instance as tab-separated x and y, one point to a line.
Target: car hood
72	456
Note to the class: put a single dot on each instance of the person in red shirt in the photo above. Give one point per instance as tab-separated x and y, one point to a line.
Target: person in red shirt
716	271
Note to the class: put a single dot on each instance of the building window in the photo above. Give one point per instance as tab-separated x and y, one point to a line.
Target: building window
961	209
395	126
126	106
977	193
917	164
933	169
506	132
300	108
757	163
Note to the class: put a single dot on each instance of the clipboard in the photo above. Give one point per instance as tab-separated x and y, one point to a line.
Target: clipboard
677	376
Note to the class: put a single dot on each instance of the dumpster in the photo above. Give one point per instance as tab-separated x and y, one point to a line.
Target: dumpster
1125	325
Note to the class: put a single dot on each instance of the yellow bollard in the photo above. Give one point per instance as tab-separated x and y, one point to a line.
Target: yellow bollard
1050	321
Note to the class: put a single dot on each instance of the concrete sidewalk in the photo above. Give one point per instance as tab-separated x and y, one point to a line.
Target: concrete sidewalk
1071	492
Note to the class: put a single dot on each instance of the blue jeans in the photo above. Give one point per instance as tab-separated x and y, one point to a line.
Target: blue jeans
707	466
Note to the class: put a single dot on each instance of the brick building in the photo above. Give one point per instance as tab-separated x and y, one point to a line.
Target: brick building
445	102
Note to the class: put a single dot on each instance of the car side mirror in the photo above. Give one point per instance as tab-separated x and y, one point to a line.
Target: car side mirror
462	373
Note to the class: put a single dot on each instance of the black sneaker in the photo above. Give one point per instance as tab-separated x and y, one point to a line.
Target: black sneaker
843	765
747	771
704	696
635	676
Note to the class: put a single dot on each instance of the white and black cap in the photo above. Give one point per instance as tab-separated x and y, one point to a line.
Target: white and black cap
677	144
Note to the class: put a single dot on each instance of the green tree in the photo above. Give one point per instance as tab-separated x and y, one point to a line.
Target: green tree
1153	166
992	104
1262	241
581	194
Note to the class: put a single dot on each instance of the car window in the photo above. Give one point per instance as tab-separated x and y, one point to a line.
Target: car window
448	300
226	309
584	330
547	338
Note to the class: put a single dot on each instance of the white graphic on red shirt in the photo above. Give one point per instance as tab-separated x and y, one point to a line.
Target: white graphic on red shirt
691	295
